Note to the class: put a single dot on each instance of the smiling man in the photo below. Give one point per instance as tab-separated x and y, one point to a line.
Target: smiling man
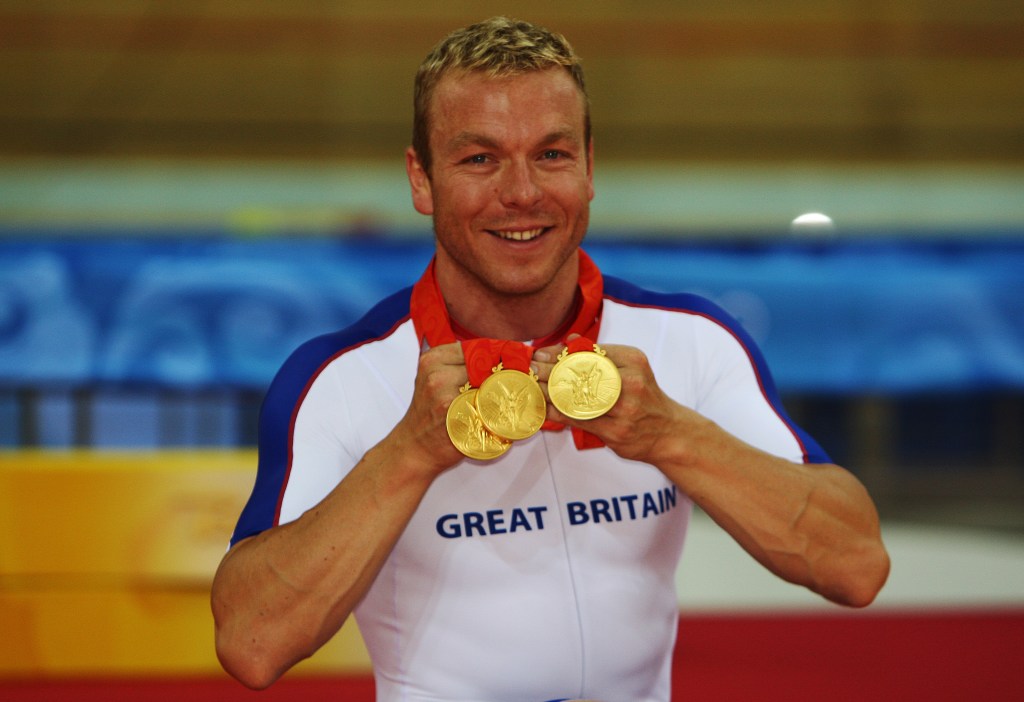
488	567
509	188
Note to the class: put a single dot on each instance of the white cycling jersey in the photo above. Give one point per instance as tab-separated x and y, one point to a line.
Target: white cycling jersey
548	572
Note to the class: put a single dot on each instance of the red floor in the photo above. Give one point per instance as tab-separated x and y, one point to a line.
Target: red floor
930	656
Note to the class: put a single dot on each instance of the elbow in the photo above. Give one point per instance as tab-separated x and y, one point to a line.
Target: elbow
252	678
245	665
239	651
256	656
862	578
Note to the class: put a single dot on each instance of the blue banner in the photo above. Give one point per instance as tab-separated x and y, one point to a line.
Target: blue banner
893	315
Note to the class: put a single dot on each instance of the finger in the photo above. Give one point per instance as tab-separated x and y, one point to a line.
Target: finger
626	358
543	360
547	354
440	375
448	354
555	416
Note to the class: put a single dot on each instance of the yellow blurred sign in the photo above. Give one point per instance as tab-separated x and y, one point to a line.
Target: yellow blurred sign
106	560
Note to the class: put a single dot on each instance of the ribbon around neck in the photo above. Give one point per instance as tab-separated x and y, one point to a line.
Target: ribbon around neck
434	327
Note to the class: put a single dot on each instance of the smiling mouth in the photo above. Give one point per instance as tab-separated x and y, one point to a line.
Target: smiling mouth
518	235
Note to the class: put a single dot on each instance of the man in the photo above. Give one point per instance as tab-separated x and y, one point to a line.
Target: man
547	572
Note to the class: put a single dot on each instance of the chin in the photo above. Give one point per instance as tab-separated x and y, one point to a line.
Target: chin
520	286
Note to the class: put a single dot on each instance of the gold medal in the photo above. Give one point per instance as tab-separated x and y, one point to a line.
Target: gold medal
584	384
468	433
511	403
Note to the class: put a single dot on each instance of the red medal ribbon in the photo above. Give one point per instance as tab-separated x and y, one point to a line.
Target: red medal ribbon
428	311
516	355
434	327
482	355
580	343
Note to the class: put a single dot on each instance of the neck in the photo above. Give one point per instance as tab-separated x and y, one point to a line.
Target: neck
485	312
510	323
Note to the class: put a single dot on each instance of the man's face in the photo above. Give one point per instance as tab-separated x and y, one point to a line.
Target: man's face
511	183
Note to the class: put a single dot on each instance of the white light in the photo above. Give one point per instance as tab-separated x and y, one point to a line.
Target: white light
813	223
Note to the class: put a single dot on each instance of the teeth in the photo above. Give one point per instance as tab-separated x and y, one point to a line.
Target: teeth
521	236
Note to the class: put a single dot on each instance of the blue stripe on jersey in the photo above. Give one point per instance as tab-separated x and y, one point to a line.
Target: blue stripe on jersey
285	394
629	294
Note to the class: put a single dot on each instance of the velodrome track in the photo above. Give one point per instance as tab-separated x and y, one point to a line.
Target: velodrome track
949	625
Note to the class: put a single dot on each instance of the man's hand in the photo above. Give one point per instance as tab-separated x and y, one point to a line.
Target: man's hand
441	372
643	415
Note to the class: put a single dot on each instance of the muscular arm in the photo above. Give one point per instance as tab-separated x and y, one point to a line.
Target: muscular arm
813	525
279	596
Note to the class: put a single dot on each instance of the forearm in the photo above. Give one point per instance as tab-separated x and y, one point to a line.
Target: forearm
280	595
813	525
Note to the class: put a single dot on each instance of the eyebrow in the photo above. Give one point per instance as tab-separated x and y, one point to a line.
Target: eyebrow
464	139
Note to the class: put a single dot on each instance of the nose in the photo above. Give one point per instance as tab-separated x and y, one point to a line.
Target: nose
519	187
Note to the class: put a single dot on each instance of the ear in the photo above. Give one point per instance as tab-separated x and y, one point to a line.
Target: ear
419	181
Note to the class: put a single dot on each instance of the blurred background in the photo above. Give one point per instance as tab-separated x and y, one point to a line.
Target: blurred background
190	189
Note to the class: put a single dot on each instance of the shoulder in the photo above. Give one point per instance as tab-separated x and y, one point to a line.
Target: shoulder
386	316
625	296
309	359
681	319
280	408
712	339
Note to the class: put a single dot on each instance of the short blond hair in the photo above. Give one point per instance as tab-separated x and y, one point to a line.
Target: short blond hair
498	47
